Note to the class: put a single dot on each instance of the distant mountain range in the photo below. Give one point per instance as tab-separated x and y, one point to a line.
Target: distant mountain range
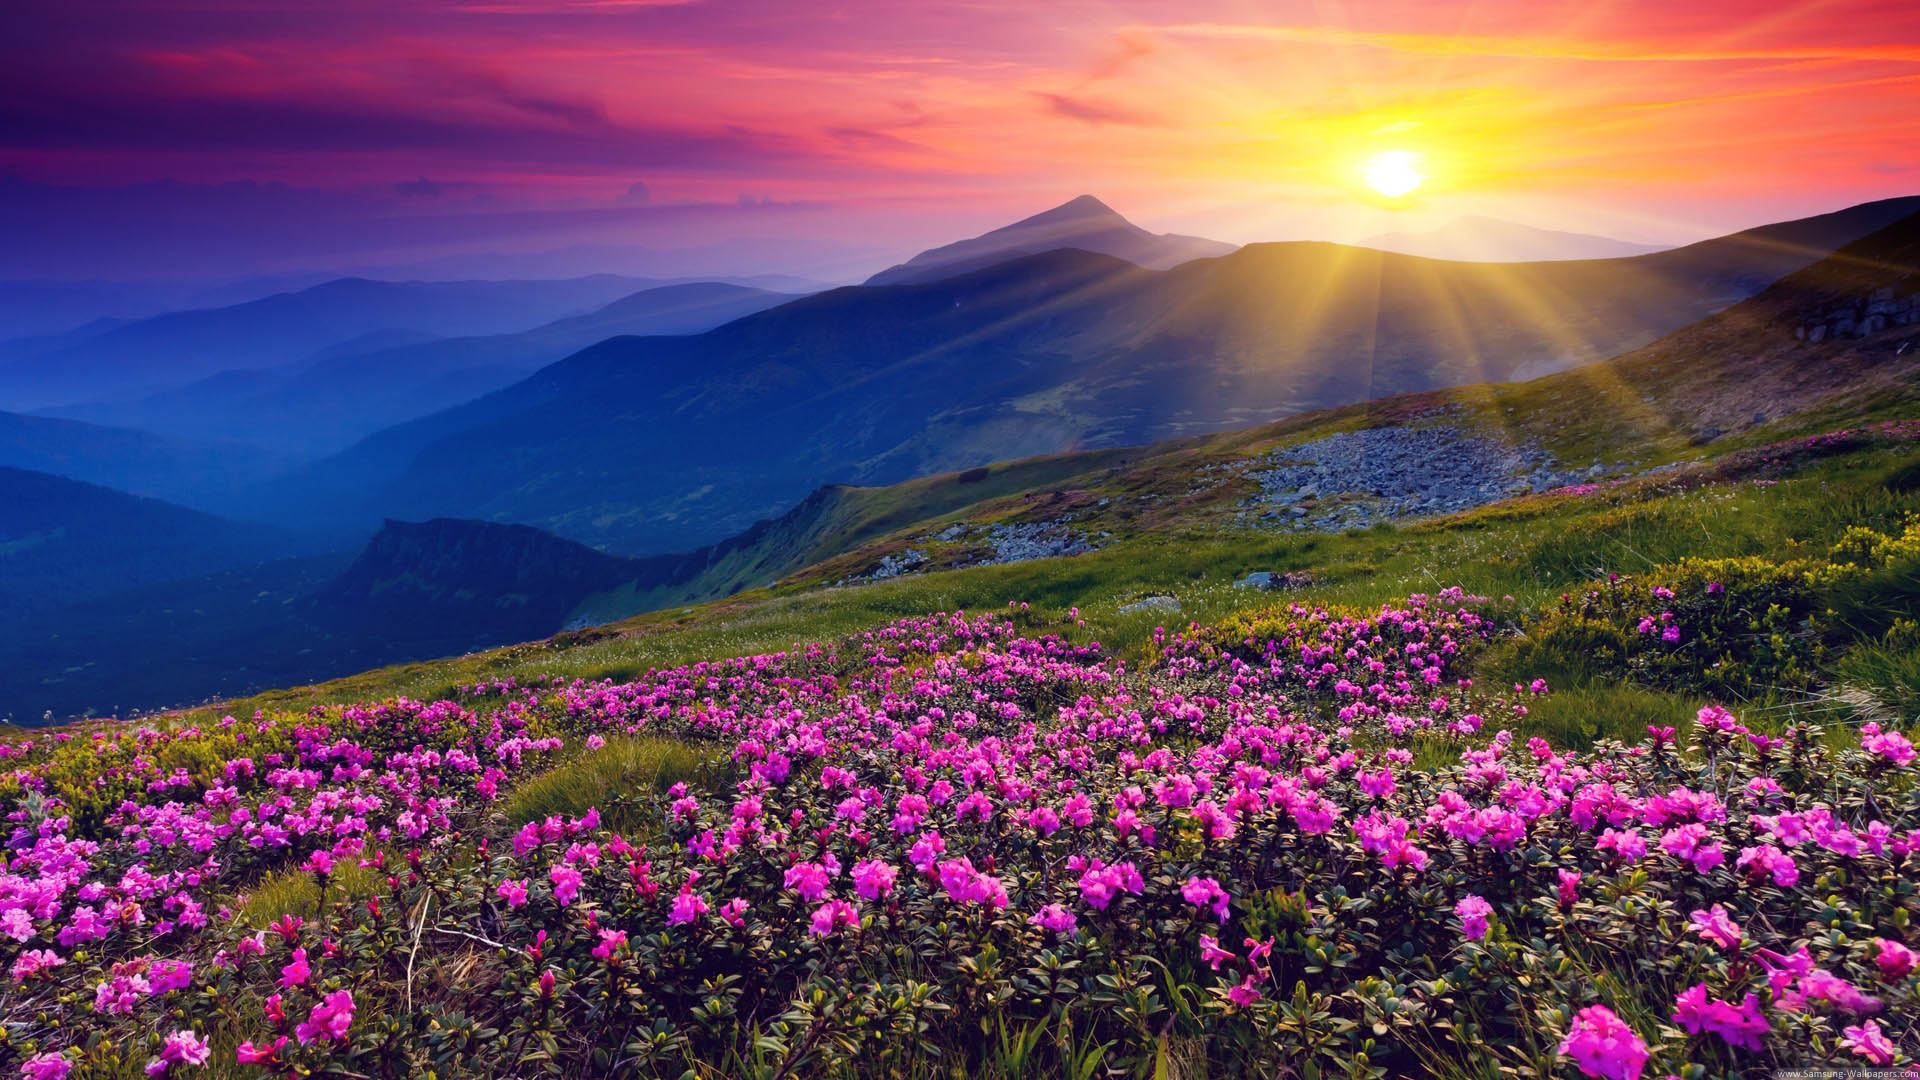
197	473
1484	239
109	359
62	540
356	388
444	586
1084	223
641	445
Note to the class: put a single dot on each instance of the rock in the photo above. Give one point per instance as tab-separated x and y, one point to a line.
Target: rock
1259	579
1151	603
1298	511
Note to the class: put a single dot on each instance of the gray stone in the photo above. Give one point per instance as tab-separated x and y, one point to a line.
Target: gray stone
1151	603
1259	579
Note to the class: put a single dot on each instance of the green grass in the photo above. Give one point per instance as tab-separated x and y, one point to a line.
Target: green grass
1532	549
1578	717
1889	674
612	778
296	892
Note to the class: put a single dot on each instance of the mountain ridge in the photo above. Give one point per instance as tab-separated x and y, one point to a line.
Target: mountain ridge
1083	223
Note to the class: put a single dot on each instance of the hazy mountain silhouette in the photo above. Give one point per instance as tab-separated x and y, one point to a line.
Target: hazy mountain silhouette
144	355
1085	223
344	393
649	444
190	472
1484	239
62	540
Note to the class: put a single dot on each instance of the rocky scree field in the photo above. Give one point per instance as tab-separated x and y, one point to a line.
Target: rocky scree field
1441	835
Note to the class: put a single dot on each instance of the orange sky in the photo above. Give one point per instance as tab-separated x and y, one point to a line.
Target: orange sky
915	121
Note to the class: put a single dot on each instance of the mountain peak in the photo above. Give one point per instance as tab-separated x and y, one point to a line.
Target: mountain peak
1081	222
1081	208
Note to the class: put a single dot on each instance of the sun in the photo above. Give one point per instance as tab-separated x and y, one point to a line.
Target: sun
1393	173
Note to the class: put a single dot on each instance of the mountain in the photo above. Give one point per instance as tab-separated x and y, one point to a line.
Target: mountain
1084	223
447	586
344	393
642	445
178	347
62	540
195	473
1483	239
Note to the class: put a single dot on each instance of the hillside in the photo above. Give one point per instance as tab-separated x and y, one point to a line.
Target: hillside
1084	223
144	355
188	471
1044	353
1483	239
63	541
351	390
1219	505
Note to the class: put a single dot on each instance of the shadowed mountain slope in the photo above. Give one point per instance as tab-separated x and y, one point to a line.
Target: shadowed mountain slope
648	444
345	394
1084	223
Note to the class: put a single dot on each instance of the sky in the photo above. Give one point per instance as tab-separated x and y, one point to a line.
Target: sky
148	139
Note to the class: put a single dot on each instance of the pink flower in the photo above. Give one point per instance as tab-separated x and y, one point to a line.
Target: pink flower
1891	746
1473	912
328	1020
610	943
971	886
832	915
566	884
1868	1041
1895	960
1744	1026
1603	1046
1212	953
47	1066
34	961
1206	892
1056	918
873	878
1715	926
808	879
513	892
296	972
1569	887
1245	993
250	1054
183	1047
687	907
732	911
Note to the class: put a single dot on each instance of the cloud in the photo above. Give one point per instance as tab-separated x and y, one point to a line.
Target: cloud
637	193
1093	112
422	188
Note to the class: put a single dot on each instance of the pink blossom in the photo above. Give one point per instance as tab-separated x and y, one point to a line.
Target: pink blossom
566	884
1569	887
832	915
687	907
1603	1046
1868	1041
1895	959
250	1054
873	878
296	971
1244	994
1473	912
47	1066
32	962
1212	953
183	1047
513	892
1056	918
1206	892
808	879
328	1020
1715	926
1744	1026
